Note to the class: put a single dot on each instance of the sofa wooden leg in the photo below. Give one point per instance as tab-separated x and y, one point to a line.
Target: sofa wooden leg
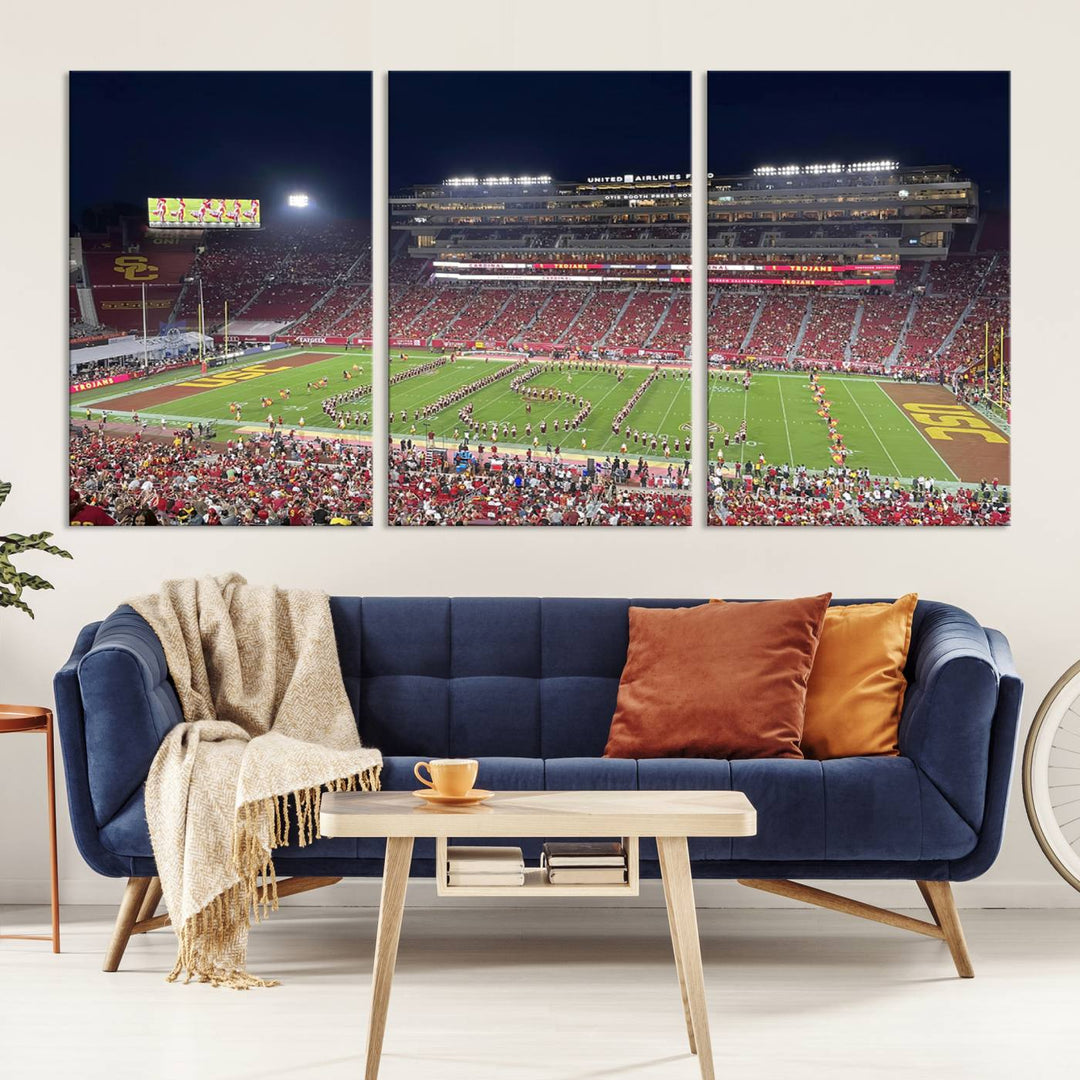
937	894
134	894
942	904
148	921
819	897
149	906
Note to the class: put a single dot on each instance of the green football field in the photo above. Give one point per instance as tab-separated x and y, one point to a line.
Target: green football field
213	404
664	408
782	423
781	415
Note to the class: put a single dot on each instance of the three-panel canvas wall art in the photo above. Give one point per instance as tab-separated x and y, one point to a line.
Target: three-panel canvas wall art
537	362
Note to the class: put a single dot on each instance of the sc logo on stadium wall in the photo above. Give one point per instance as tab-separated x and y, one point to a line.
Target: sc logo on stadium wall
135	268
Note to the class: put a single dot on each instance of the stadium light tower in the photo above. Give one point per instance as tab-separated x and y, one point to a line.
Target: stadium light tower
298	199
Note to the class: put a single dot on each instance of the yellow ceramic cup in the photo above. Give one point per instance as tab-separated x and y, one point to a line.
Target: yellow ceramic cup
449	776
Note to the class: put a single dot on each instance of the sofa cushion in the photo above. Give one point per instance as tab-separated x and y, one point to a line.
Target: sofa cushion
846	809
687	774
590	774
480	677
719	681
849	809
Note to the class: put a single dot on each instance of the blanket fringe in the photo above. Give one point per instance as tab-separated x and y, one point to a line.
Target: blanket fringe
213	942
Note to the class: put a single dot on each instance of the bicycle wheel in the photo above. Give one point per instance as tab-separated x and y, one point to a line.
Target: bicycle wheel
1052	776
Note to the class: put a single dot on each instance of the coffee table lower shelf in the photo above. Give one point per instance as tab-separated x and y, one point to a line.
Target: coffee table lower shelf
536	882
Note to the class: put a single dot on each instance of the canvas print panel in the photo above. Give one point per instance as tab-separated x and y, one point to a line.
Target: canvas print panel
220	299
858	315
539	309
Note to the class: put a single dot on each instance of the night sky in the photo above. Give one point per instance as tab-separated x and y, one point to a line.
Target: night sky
568	125
916	118
234	134
263	134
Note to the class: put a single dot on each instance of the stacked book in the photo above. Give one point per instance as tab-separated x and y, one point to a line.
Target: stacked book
585	863
485	866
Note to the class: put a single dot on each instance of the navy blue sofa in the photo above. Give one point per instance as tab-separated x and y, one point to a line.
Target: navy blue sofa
528	686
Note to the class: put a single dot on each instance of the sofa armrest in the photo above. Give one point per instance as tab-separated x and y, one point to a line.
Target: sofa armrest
69	726
950	704
1003	742
129	705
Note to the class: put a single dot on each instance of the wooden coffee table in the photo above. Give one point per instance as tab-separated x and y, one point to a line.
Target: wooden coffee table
669	816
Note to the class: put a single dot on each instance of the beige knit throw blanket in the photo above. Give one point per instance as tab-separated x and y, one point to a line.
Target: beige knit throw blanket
267	725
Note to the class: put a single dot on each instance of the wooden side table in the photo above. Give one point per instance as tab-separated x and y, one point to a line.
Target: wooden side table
34	718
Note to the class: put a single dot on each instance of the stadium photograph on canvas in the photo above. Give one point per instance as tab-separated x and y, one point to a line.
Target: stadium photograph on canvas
219	298
539	298
858	301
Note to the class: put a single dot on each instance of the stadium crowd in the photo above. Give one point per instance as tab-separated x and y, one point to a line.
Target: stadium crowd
185	480
764	494
477	489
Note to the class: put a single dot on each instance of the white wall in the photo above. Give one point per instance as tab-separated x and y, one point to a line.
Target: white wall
1022	579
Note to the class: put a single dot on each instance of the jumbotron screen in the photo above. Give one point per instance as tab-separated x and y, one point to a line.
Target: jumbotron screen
200	213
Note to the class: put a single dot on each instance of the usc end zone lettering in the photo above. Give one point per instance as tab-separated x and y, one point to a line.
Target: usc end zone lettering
943	422
227	378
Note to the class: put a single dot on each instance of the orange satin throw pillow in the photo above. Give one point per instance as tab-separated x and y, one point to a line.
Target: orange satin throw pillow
717	680
857	686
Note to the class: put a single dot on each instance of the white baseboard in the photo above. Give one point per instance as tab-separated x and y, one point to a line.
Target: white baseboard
364	893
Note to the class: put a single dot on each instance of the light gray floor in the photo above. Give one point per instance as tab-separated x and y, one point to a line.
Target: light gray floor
544	993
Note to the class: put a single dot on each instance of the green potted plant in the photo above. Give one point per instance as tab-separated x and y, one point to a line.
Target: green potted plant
12	580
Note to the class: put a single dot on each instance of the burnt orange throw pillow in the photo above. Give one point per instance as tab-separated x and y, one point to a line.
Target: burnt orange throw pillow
856	691
718	680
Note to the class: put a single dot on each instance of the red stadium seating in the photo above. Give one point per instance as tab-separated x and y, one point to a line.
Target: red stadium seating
729	319
555	314
295	266
967	347
282	303
324	321
958	275
357	323
445	305
478	312
515	319
637	323
406	302
882	321
934	318
996	282
674	334
596	318
778	325
828	331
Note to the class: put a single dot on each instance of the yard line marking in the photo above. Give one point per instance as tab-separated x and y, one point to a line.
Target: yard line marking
745	406
924	438
714	390
896	468
787	430
677	391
